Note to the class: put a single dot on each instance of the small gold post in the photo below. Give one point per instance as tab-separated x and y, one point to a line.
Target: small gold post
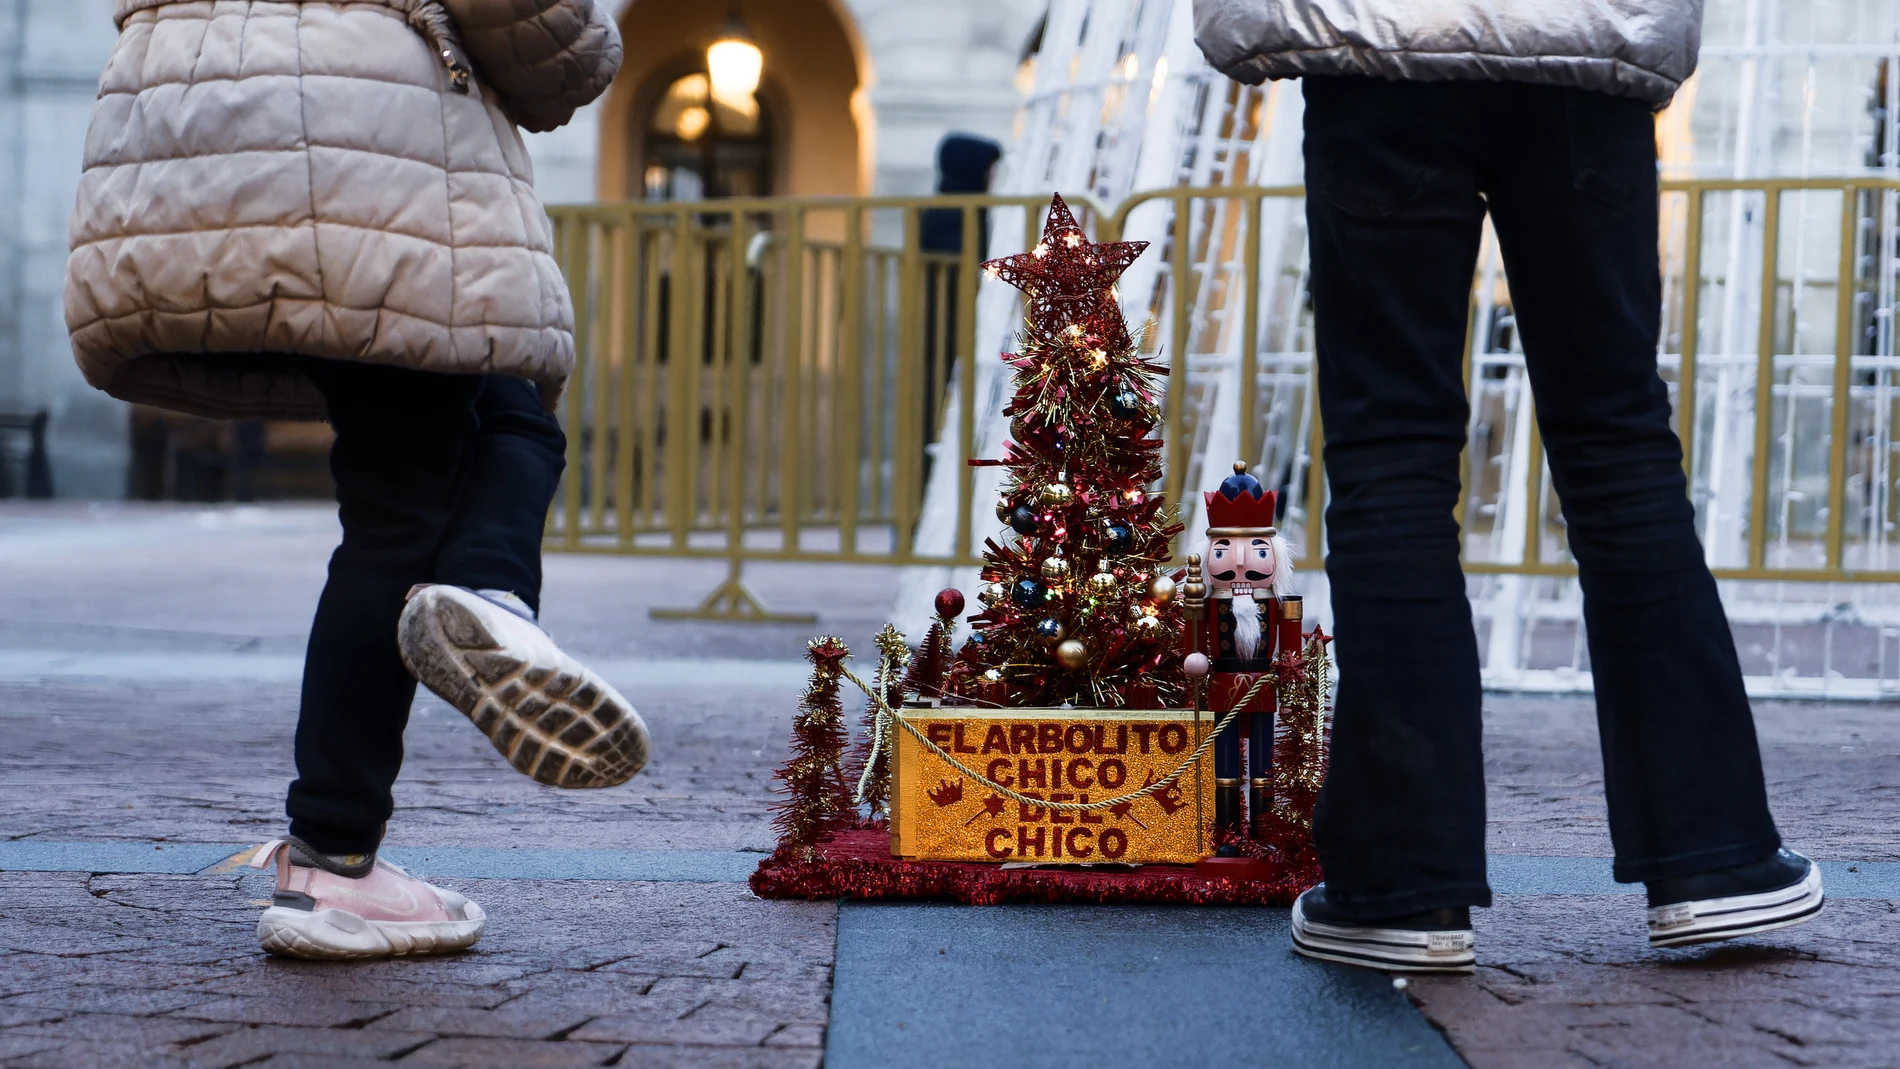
1199	688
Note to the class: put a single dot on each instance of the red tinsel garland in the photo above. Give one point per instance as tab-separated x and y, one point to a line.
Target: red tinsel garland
858	864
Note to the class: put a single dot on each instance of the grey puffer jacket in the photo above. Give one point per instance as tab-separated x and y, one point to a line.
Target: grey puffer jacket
1637	48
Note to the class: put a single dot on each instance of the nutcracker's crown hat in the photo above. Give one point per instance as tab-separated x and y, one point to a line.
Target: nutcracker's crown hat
1240	507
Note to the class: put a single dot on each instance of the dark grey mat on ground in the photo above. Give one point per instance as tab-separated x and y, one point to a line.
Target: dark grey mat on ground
948	986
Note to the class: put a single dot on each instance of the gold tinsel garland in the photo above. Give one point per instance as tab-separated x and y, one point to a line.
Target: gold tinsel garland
1299	765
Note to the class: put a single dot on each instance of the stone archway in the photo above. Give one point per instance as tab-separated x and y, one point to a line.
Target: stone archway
813	90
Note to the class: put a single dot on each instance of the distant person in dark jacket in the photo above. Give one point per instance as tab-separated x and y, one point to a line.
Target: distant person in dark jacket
965	164
1420	120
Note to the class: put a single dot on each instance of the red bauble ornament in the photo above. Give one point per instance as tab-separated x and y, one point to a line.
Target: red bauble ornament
950	603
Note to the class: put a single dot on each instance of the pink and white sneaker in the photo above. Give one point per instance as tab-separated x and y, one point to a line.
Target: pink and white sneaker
385	912
551	716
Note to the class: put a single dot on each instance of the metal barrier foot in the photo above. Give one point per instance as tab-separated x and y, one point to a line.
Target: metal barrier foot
730	601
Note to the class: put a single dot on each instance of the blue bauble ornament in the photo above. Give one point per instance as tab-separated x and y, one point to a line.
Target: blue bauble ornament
1125	403
1027	593
1120	537
1050	630
1022	520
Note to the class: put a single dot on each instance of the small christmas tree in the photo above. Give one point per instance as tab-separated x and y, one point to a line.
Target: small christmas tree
1077	608
926	678
818	803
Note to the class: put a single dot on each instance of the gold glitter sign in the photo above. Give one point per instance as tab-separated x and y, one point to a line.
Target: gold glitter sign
1056	755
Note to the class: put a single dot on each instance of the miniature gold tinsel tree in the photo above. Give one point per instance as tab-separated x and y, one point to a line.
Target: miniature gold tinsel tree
869	770
1299	751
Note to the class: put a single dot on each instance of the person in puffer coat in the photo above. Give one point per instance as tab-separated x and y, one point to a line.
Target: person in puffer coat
323	210
1420	120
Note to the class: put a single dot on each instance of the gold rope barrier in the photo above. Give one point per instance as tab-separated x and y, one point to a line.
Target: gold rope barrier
885	711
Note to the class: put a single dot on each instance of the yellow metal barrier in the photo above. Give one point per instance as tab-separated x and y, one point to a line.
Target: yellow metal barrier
764	379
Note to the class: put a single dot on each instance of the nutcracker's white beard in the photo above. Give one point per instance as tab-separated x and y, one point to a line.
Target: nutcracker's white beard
1246	627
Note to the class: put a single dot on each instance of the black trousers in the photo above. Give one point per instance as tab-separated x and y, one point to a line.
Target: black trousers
1399	177
439	479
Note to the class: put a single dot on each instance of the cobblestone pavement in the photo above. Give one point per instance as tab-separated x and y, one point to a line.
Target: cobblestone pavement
1569	980
148	691
163	970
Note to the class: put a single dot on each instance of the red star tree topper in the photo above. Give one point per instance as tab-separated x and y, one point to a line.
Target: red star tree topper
1073	610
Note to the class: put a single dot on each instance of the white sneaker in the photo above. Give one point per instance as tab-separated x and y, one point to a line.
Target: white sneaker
548	714
384	913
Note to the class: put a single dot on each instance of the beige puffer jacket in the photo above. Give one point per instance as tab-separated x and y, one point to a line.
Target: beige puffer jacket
270	181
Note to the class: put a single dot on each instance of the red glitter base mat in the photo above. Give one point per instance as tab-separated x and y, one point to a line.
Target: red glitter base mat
858	864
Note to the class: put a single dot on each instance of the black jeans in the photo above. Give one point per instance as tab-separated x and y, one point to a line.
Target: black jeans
439	479
1399	178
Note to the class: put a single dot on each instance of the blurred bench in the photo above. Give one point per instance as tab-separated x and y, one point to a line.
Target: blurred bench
184	458
37	480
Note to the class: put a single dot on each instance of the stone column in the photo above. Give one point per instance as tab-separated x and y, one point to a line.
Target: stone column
938	68
51	52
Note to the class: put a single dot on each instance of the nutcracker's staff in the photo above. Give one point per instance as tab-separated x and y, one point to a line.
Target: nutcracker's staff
1203	637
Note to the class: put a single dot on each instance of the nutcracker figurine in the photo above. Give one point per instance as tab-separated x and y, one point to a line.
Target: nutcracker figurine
1240	615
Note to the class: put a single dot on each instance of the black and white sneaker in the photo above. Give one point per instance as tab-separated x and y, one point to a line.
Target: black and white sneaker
1438	940
1779	891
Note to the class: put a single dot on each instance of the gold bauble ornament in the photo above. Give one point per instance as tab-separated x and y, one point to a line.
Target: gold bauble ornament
1057	495
1071	653
1055	568
1103	581
992	593
1161	589
1003	509
1147	626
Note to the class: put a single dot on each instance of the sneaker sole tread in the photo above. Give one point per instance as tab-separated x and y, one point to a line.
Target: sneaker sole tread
337	935
558	724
